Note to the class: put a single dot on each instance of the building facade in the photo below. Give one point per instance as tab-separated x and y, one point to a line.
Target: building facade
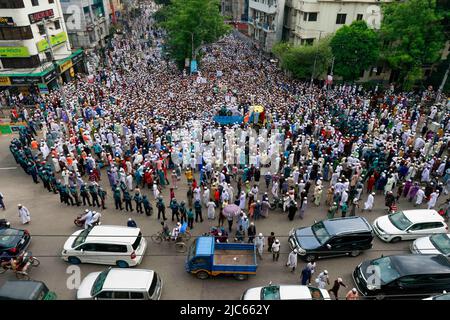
265	20
237	10
26	59
87	22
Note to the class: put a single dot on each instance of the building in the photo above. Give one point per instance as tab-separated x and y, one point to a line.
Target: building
87	22
26	60
265	19
237	10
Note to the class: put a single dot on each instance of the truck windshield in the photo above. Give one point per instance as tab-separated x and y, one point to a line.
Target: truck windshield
191	252
320	232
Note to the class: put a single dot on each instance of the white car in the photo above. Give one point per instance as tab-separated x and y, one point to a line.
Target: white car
435	244
121	284
409	225
112	245
285	292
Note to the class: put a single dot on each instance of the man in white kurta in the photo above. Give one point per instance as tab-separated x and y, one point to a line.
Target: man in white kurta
24	214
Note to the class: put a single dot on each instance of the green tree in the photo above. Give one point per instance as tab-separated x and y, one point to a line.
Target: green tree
355	48
191	24
413	32
299	60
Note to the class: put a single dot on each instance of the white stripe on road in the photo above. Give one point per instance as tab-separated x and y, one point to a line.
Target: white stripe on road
8	168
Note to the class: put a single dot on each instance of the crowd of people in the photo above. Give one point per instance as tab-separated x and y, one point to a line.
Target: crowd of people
143	126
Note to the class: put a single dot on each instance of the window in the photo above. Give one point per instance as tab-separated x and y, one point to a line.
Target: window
305	16
114	248
14	63
152	288
51	1
34	3
137	242
136	295
121	295
11	4
41	29
57	25
340	19
307	42
105	295
312	16
16	33
379	70
359	16
48	56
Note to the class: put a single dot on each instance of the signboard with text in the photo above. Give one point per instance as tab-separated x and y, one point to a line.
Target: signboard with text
66	65
14	52
5	81
6	21
54	40
38	16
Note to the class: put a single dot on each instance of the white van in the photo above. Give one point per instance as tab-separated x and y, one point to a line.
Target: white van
112	245
121	284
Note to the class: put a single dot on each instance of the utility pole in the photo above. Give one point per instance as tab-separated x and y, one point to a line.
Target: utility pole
331	74
315	62
55	65
441	87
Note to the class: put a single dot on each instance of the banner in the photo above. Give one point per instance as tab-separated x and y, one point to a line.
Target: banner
193	66
228	119
66	65
14	52
54	40
5	81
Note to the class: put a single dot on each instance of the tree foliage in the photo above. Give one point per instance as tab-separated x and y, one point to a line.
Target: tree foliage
414	32
190	22
299	60
355	48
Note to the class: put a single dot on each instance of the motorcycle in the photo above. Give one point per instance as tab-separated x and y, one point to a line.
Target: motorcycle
20	265
80	219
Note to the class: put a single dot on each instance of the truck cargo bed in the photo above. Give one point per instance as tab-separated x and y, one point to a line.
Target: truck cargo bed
227	257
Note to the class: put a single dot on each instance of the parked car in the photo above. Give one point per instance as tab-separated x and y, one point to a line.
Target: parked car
26	290
443	297
334	237
285	292
112	245
409	225
121	284
399	276
13	242
435	244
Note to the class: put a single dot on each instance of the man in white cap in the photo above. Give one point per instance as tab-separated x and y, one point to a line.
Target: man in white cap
322	280
419	196
259	243
24	214
352	295
276	250
368	205
292	260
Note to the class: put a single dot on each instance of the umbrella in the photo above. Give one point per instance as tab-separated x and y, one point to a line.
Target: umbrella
231	210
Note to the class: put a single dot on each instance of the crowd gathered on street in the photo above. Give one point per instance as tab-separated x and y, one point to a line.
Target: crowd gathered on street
139	126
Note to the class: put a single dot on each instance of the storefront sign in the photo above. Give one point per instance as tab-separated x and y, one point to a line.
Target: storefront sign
25	80
6	21
38	16
66	65
77	58
14	52
72	72
43	89
54	40
5	81
49	76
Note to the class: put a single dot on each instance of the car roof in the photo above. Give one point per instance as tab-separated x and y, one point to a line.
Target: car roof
21	289
290	292
112	234
347	225
205	246
128	279
423	215
420	264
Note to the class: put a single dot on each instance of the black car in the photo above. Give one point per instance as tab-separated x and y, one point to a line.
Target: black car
403	276
26	290
13	242
334	237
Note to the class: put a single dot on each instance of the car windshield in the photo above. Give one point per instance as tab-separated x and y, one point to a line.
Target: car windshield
270	293
81	238
320	232
98	284
315	293
441	242
9	237
399	220
386	269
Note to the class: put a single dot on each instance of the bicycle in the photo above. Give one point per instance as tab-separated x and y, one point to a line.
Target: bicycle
180	246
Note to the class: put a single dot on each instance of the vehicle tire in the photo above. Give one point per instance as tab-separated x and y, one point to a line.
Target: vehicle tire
311	257
73	260
35	262
203	275
355	253
22	276
395	239
122	264
241	277
180	247
156	238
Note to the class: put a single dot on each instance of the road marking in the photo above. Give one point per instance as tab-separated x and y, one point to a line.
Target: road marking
8	168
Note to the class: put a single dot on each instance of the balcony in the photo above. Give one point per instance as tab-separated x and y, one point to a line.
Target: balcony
251	21
269	8
268	28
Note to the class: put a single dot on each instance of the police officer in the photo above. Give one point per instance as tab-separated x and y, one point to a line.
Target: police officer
94	195
102	195
161	208
127	199
32	170
147	206
58	187
74	192
45	180
174	206
52	182
117	199
138	199
66	195
85	195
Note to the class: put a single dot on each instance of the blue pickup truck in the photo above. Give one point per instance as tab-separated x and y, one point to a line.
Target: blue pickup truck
208	258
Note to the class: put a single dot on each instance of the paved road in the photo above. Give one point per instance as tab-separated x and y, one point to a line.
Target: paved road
52	222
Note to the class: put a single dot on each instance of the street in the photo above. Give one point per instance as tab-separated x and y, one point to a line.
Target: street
52	222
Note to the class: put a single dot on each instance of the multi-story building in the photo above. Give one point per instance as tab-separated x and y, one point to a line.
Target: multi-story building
26	59
237	10
87	22
266	22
